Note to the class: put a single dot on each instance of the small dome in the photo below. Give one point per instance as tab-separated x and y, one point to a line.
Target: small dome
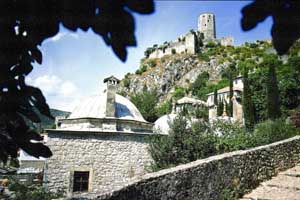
162	124
95	107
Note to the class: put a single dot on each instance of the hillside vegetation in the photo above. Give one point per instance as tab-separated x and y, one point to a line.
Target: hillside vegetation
213	68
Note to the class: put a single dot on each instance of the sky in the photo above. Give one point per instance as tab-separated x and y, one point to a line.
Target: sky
75	63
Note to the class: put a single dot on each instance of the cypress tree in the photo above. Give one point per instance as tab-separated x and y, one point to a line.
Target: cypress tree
273	104
248	106
230	106
220	107
216	97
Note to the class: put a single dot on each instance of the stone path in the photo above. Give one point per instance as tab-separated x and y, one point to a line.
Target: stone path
284	186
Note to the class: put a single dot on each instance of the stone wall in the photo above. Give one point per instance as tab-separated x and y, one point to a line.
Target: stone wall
185	44
210	178
112	159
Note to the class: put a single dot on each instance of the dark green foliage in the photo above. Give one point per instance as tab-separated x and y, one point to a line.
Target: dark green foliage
232	137
30	192
179	92
211	44
173	51
164	108
273	131
273	104
183	144
248	105
40	20
200	82
126	82
216	97
146	103
203	56
187	143
230	73
220	107
201	113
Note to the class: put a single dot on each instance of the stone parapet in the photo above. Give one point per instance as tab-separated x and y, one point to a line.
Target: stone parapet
210	178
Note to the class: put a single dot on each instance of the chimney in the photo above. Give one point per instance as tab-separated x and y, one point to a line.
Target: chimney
112	83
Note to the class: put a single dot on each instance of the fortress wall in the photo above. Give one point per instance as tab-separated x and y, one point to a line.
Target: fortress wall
186	46
209	178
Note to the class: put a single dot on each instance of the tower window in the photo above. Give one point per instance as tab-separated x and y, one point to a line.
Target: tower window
81	181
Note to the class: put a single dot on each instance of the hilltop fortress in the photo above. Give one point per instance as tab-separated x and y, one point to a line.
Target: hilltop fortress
193	41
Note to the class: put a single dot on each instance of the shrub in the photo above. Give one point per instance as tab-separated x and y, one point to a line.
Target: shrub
179	92
272	131
30	192
164	108
232	137
211	44
173	51
185	143
152	63
126	82
146	102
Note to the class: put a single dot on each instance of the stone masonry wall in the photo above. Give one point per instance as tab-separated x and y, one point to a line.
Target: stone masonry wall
111	158
209	178
188	45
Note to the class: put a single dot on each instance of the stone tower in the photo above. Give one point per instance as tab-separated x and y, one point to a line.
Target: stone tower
207	26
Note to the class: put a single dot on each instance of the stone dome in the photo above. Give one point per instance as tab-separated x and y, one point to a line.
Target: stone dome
95	107
162	124
106	112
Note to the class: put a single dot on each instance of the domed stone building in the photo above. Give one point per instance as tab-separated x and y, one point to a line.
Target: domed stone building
99	146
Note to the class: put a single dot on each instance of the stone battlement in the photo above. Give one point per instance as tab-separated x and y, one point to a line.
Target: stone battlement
191	42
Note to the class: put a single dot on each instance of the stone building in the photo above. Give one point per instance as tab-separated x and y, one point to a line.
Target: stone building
207	26
191	42
99	146
223	95
186	104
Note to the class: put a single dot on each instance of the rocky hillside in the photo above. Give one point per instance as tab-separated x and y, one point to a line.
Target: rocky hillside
180	70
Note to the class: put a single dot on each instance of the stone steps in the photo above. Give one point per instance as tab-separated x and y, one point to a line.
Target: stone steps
284	186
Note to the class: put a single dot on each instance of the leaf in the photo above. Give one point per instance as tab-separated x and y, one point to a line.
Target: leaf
254	13
38	100
30	114
37	55
141	6
286	15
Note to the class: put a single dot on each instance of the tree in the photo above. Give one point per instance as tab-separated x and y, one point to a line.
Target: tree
24	25
273	103
200	82
230	73
248	106
146	102
220	107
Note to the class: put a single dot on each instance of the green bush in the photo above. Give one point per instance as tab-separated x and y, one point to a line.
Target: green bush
186	143
146	102
30	192
272	131
164	108
173	51
183	144
231	137
179	92
126	82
